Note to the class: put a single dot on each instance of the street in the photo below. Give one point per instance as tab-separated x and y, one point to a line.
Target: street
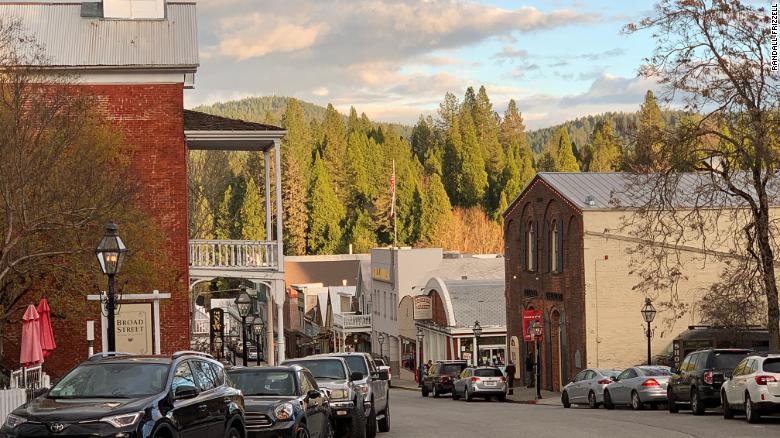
413	416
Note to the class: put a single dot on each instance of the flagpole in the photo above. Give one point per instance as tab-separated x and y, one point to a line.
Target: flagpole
395	214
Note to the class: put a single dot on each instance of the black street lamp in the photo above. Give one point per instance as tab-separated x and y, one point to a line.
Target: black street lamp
111	253
381	339
257	327
538	334
648	314
477	334
244	305
420	337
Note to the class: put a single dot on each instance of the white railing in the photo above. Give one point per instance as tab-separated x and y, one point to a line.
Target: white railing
251	254
201	327
352	321
11	399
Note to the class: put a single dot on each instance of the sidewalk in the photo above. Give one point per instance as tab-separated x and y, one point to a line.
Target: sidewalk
521	394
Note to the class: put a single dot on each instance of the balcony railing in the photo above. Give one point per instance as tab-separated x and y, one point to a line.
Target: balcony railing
236	254
352	321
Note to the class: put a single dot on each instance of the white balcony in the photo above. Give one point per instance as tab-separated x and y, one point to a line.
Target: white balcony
234	258
352	323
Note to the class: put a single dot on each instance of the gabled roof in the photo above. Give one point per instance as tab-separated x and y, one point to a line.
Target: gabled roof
478	300
198	121
73	41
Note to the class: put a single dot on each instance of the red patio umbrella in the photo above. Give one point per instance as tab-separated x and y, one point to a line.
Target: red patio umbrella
31	353
47	334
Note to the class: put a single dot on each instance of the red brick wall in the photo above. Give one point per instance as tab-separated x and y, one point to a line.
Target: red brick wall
541	203
150	117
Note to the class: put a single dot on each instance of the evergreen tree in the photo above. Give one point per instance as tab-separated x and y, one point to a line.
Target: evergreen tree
202	218
325	212
269	118
296	156
451	161
361	234
565	159
334	149
512	129
436	210
422	138
353	122
251	213
225	220
486	123
649	135
448	112
603	153
473	177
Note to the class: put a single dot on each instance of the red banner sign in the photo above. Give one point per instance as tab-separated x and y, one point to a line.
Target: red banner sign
529	316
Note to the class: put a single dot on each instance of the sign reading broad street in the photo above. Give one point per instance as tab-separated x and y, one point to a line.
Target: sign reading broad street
134	328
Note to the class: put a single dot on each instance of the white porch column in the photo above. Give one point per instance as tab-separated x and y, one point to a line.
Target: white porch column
280	295
267	160
269	326
279	211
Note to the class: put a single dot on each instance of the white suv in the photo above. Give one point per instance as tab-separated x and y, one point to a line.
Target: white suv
753	388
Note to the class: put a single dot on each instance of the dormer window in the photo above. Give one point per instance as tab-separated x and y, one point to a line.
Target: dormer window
134	9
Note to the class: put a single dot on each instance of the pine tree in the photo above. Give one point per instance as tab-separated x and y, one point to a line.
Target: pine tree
353	122
202	218
251	214
269	118
296	153
565	159
473	177
602	154
334	148
422	138
436	210
649	135
325	212
225	220
361	234
486	124
451	161
448	112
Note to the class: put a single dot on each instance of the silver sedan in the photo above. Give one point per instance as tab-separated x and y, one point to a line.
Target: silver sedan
638	386
483	382
588	387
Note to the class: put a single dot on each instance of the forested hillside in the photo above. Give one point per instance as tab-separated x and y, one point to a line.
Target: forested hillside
454	174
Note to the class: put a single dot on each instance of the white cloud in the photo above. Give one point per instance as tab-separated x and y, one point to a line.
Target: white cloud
258	34
320	91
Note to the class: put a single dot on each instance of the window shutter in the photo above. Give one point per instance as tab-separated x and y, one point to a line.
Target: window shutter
559	263
535	248
523	249
546	247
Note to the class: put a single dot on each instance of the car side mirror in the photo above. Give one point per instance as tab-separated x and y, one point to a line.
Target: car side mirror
184	392
39	392
383	375
313	394
355	376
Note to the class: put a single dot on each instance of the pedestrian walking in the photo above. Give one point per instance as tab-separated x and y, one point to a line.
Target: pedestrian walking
529	370
510	376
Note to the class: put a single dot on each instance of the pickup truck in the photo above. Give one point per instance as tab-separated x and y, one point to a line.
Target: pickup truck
376	389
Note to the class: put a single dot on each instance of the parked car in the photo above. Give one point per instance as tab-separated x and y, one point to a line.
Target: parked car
282	402
700	337
638	386
348	408
375	387
697	383
588	387
383	365
753	388
125	395
440	377
484	382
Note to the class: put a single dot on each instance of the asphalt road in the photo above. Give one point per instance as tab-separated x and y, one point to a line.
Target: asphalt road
412	416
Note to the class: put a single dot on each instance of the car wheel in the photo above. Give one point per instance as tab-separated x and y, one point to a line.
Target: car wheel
697	407
608	401
302	431
671	402
455	395
371	423
469	397
750	411
592	400
636	403
356	429
424	391
384	423
565	400
728	413
435	392
234	433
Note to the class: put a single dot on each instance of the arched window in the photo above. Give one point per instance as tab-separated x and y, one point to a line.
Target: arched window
554	267
531	245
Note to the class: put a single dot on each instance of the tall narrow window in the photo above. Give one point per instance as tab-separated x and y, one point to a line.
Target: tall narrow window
554	236
531	245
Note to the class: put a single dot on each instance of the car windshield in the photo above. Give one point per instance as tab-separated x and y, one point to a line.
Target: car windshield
451	369
656	372
772	365
609	373
357	364
264	383
112	380
488	372
727	360
328	369
379	362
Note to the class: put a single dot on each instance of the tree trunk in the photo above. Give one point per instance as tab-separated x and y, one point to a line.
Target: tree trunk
768	269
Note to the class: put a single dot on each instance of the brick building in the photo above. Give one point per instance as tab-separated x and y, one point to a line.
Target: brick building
137	58
567	255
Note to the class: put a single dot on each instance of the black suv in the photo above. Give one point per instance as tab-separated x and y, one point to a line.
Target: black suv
123	395
697	382
441	376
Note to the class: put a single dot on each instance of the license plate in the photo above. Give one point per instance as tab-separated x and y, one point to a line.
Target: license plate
490	383
341	412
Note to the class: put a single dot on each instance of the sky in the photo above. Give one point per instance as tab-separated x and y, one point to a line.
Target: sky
395	60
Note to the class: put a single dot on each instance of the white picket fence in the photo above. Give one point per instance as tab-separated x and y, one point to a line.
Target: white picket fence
11	399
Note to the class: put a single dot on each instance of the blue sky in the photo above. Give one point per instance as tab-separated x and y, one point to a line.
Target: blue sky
394	60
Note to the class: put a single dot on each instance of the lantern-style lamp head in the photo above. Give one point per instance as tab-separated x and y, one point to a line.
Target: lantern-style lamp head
648	311
258	326
244	304
477	329
111	251
381	338
420	334
537	329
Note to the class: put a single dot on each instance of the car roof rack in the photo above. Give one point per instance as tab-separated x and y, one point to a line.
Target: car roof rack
191	353
108	354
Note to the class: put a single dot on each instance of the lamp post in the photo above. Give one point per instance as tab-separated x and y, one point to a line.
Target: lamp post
418	365
111	253
648	314
257	327
538	335
381	339
244	305
477	334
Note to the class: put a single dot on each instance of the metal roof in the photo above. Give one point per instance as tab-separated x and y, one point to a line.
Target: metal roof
70	40
478	300
198	121
472	268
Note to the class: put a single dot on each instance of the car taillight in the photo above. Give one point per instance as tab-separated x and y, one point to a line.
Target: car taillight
651	383
604	381
503	379
475	379
762	380
708	377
